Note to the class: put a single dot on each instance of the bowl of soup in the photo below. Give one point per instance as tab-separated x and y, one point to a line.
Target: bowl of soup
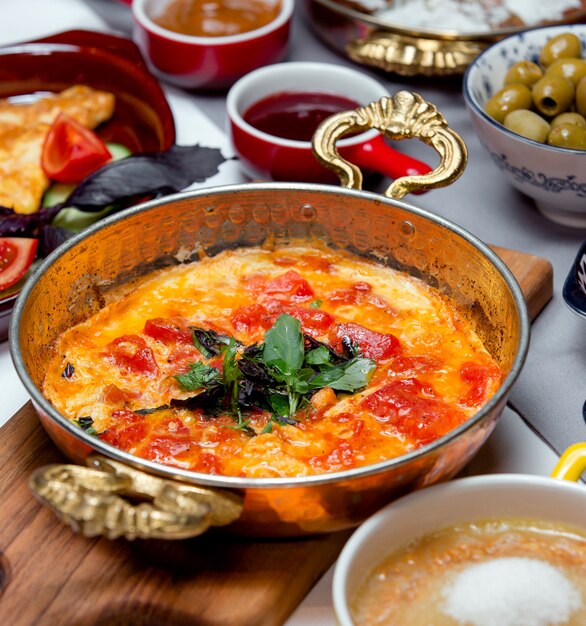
503	549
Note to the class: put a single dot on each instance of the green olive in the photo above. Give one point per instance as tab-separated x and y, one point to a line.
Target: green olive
568	136
572	69
580	98
524	72
569	118
553	95
564	46
509	98
528	124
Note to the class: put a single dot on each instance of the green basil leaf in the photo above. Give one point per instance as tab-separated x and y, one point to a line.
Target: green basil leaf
279	404
231	371
283	345
198	376
316	304
349	376
319	356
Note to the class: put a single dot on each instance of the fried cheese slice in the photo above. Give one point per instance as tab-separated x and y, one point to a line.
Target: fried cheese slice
23	129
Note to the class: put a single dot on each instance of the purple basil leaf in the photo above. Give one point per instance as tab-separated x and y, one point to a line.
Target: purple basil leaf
51	237
17	225
146	175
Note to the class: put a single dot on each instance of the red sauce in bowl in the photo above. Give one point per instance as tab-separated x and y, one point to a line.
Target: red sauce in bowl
295	115
217	18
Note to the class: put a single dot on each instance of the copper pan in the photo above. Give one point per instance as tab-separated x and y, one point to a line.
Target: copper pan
120	494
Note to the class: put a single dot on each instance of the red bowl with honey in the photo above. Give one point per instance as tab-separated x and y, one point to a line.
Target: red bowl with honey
199	45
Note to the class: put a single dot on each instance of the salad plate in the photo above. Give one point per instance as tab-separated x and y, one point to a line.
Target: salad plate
142	120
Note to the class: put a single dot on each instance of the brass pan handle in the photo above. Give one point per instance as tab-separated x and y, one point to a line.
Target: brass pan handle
114	500
401	116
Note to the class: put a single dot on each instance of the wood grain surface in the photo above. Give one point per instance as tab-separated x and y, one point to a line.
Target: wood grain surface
50	576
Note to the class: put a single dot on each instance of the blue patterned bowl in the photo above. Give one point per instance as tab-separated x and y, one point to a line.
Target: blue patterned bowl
554	177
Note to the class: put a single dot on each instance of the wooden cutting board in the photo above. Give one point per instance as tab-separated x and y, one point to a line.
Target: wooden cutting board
50	576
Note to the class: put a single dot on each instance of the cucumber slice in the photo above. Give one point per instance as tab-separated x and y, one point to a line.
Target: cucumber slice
57	192
118	151
74	219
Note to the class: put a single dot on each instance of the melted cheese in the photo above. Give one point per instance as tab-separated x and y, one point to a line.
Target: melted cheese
432	372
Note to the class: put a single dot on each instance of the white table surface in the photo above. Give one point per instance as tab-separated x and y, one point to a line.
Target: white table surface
513	447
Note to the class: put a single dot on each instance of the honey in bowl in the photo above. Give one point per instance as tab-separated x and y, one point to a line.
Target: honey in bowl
295	115
217	18
512	572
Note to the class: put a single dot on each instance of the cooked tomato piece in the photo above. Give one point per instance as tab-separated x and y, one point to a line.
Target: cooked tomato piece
209	463
71	151
164	449
411	365
181	356
252	317
413	410
115	395
128	430
131	353
372	345
313	321
167	331
172	426
289	287
16	256
339	458
477	376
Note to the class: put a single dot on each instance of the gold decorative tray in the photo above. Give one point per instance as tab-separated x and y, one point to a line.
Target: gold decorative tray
405	50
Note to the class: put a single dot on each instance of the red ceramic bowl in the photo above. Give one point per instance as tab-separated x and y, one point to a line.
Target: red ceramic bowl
208	62
264	156
142	119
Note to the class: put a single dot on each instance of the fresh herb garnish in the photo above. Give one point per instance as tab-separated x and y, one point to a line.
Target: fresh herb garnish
316	304
279	375
208	342
155	409
198	376
86	424
349	376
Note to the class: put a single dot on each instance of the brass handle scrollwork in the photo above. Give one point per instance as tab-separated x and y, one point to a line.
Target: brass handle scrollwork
114	500
404	115
410	56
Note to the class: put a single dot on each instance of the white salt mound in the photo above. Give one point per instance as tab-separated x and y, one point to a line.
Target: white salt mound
512	591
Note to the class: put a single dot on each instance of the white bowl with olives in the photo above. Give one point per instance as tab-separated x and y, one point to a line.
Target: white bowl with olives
526	95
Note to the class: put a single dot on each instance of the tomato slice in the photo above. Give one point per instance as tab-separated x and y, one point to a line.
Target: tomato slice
131	353
16	256
167	331
372	345
71	151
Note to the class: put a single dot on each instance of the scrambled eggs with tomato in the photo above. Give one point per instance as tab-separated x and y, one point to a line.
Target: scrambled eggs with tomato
272	363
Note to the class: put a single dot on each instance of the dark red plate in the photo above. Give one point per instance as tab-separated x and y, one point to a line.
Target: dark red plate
142	119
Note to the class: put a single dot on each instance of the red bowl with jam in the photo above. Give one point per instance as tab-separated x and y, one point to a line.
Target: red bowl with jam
274	111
